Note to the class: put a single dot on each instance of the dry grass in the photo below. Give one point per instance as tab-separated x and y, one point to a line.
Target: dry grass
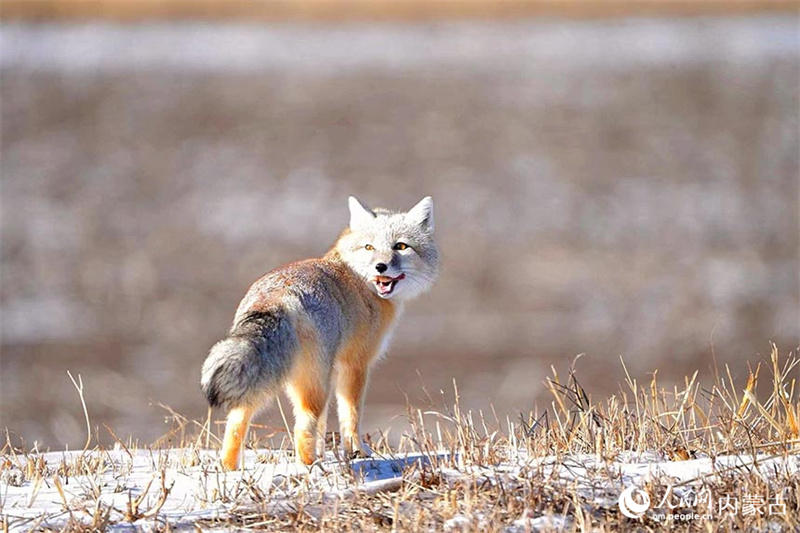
562	468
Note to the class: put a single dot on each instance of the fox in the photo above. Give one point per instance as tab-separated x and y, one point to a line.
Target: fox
315	328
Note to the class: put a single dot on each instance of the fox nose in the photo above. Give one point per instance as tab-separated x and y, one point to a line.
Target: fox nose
381	268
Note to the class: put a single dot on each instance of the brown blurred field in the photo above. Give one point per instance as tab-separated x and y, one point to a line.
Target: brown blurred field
621	187
374	10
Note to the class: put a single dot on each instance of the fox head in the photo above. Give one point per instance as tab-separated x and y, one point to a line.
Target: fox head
393	252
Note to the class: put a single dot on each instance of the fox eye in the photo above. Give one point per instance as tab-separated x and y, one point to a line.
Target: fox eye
369	247
400	246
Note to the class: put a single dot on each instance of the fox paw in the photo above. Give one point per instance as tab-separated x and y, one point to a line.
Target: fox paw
362	452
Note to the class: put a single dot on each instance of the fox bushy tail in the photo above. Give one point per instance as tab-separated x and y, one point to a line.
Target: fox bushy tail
251	361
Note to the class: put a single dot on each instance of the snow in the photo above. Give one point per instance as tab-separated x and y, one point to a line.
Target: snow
198	490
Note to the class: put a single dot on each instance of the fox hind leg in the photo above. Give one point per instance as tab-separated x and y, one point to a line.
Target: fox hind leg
238	422
309	398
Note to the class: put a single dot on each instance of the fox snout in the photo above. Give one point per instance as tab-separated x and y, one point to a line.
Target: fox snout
388	264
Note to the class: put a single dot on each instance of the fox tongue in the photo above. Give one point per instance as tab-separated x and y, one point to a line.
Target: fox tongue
385	289
385	284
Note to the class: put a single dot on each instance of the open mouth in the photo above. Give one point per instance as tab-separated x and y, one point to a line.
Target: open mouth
385	284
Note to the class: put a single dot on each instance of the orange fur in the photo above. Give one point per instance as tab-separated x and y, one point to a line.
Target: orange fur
235	431
354	361
307	388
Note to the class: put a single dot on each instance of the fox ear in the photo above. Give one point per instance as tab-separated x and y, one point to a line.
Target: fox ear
422	213
359	215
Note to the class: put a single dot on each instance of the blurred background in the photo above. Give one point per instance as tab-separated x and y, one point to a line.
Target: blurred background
614	179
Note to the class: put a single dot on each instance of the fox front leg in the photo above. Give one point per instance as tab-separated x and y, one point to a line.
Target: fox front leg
322	425
350	388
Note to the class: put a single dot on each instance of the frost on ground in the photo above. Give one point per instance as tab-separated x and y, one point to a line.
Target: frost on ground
183	488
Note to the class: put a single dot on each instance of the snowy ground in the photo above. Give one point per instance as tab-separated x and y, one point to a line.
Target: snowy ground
145	489
178	486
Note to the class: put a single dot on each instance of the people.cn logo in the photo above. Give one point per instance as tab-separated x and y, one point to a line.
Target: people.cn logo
629	506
